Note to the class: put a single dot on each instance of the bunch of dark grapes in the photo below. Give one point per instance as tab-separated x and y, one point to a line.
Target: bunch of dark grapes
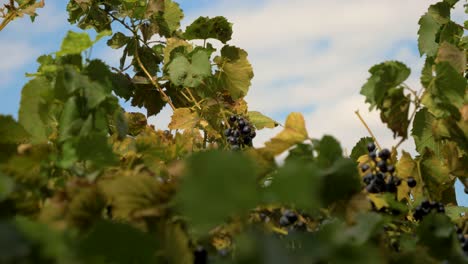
380	176
240	134
463	240
426	207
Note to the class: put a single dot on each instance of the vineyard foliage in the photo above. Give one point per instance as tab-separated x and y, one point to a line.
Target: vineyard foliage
83	181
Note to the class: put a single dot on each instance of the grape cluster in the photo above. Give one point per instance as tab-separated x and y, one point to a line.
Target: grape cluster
240	134
426	207
380	176
463	240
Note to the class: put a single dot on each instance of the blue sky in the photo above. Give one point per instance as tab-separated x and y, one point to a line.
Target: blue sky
309	56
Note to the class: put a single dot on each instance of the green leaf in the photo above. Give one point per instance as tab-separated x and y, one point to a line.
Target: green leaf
113	242
75	43
118	40
32	113
437	178
422	132
394	112
145	95
204	28
95	148
329	151
384	77
191	70
367	226
11	132
435	232
261	121
234	71
70	119
216	186
449	85
50	244
340	181
456	212
360	148
297	184
6	186
172	15
427	32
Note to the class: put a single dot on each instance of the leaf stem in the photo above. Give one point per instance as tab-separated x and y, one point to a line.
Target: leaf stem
154	82
368	129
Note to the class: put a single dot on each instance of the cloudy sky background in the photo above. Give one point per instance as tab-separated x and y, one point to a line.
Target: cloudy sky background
308	56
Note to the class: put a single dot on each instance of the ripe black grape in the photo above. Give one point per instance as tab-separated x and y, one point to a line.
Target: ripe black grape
200	255
384	154
284	221
365	167
371	146
411	182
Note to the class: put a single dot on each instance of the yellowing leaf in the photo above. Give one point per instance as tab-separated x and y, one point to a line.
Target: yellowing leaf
235	71
451	54
184	118
294	132
261	121
378	200
406	168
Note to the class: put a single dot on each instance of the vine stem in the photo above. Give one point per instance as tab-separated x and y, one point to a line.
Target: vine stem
193	98
368	129
14	13
154	82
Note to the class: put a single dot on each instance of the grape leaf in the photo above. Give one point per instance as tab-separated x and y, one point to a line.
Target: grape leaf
11	132
173	43
360	148
437	177
340	181
234	71
406	168
118	40
217	184
451	54
6	186
204	28
146	95
422	132
455	212
294	132
113	242
184	118
136	122
384	77
427	35
32	113
329	151
394	112
172	15
133	195
75	43
300	176
191	70
261	121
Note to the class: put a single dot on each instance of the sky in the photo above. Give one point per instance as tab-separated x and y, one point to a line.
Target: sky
308	56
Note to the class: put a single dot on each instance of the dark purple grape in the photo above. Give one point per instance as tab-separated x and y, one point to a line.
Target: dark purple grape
241	123
246	130
227	132
284	221
253	134
292	217
365	167
384	154
391	168
411	182
382	165
236	133
232	119
373	155
371	147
